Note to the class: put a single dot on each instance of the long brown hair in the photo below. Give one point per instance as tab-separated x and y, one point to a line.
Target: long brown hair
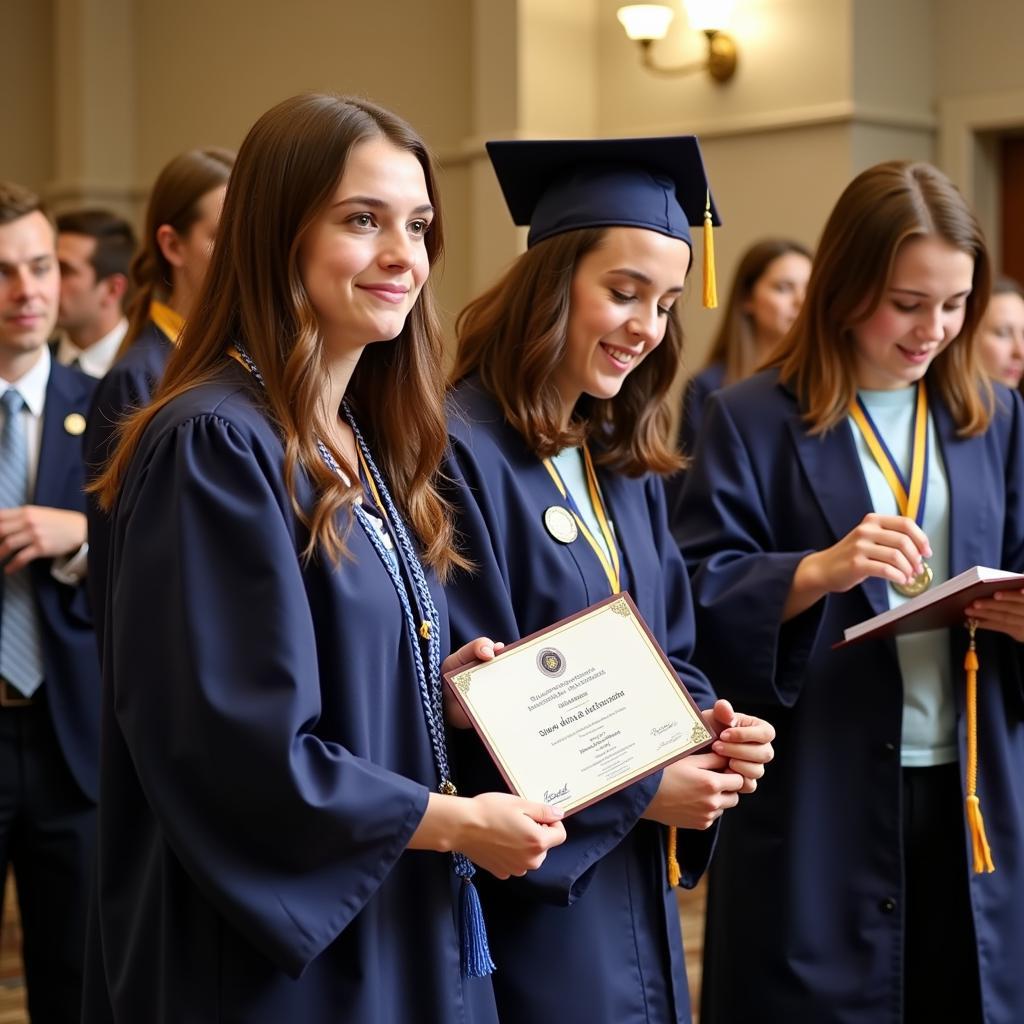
174	201
286	174
735	344
514	336
882	208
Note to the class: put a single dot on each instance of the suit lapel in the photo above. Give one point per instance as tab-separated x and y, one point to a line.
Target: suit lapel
60	451
835	478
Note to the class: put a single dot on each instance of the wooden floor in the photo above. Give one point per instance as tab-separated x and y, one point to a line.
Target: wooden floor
12	989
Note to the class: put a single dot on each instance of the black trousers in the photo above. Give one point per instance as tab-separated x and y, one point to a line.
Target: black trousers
940	954
47	832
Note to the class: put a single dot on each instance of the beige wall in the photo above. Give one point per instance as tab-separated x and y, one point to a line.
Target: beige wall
108	90
26	83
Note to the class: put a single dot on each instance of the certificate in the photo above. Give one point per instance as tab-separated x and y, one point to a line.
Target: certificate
581	709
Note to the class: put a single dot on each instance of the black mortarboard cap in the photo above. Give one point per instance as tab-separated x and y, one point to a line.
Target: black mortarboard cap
560	185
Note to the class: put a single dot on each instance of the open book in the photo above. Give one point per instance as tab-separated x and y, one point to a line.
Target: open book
936	608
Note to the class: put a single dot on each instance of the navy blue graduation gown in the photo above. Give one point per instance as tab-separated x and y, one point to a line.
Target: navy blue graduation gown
805	904
695	395
593	936
265	756
128	386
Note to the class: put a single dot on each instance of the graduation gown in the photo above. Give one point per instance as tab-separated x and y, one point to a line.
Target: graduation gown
265	759
805	904
593	936
128	386
696	394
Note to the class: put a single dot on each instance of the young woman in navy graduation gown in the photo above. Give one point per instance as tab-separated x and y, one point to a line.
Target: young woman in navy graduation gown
167	273
766	294
273	843
858	848
571	354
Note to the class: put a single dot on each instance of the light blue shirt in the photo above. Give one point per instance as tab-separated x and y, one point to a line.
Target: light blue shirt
929	716
573	471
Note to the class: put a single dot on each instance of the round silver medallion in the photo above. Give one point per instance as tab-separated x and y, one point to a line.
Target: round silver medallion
561	524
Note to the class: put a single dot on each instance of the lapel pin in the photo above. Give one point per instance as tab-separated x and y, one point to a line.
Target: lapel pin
74	423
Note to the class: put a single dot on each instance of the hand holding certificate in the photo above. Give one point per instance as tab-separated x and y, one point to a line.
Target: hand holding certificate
582	709
965	600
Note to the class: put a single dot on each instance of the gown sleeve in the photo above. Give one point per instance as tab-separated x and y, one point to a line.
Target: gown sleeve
217	694
695	847
481	603
740	580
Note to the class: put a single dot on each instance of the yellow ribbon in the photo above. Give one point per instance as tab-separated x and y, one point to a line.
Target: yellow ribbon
611	565
909	503
613	572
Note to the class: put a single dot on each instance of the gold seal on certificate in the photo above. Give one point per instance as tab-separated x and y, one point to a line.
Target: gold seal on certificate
559	522
581	709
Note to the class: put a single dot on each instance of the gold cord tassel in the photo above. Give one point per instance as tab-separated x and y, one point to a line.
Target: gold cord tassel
674	873
710	282
979	841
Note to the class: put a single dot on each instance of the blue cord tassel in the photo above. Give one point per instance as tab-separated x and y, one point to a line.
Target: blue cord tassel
476	954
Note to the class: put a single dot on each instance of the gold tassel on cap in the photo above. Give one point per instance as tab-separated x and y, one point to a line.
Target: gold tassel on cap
710	283
979	841
674	873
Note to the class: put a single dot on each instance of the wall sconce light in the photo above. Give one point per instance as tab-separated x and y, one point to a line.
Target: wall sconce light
647	22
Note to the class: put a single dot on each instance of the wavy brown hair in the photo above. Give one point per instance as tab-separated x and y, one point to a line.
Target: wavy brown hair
734	345
881	209
287	172
514	337
174	201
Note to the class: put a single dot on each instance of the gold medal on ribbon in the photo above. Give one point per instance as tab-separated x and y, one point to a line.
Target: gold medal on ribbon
909	499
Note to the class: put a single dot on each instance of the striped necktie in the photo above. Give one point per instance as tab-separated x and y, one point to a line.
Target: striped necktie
21	648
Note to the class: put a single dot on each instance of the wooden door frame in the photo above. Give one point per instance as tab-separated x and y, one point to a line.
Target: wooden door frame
968	147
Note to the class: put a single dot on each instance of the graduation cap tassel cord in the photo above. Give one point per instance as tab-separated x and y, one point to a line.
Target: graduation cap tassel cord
710	280
675	874
475	953
979	841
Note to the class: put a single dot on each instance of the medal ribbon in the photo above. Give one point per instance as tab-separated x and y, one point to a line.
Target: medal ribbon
613	571
612	567
909	499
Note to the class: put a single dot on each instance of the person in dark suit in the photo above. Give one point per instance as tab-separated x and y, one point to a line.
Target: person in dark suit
49	674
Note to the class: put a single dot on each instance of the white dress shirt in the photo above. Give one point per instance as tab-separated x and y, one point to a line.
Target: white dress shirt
98	357
69	569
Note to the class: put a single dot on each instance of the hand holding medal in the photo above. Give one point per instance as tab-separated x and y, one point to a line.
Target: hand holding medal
891	548
909	497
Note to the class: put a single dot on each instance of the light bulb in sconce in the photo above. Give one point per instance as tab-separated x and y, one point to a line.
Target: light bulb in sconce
708	15
644	23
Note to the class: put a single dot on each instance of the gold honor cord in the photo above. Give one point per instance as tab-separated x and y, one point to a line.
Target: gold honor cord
612	568
910	501
167	320
613	571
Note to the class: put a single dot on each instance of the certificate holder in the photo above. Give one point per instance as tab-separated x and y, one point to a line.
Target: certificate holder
581	709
